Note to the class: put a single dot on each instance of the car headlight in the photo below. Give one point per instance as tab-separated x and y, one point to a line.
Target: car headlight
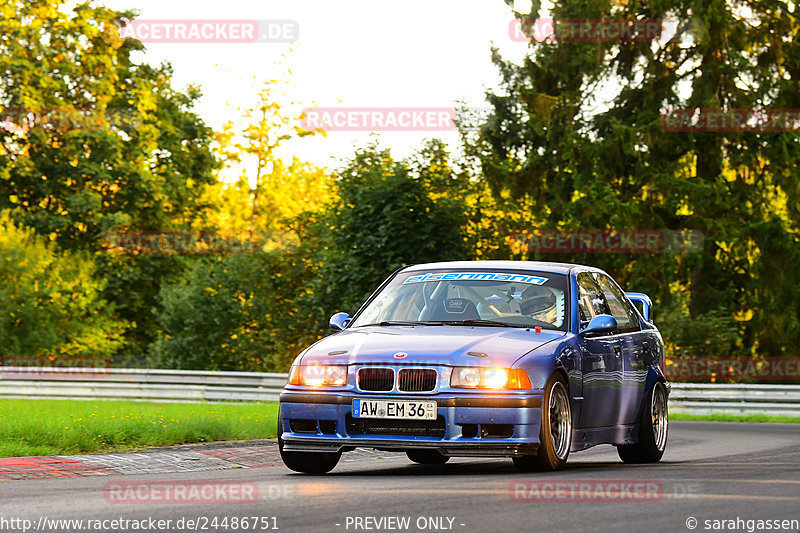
318	375
466	377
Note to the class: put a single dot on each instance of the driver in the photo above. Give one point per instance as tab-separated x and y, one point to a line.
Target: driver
538	303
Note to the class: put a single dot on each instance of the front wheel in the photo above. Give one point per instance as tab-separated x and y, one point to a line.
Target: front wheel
307	462
555	437
653	426
427	457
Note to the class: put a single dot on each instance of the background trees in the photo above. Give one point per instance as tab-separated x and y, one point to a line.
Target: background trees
576	140
51	301
577	132
258	310
388	214
99	143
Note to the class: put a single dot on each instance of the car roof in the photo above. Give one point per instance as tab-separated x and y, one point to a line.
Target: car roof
541	266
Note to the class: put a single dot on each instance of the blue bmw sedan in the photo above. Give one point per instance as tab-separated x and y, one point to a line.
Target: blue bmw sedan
528	360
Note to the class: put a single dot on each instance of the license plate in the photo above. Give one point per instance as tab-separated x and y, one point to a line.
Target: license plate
402	409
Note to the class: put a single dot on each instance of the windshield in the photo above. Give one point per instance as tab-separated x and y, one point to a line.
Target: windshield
518	298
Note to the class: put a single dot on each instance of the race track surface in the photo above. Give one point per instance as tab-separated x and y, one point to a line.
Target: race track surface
711	471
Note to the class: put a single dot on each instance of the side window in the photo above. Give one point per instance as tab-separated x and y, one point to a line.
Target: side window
591	301
620	308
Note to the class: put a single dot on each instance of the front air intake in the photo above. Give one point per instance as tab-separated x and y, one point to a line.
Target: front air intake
376	379
417	379
406	428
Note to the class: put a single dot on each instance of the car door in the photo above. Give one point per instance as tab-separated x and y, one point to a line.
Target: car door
600	361
634	349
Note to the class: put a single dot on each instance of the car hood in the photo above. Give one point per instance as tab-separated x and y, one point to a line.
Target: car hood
436	345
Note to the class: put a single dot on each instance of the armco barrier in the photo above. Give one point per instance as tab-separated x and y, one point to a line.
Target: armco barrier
735	399
200	386
139	384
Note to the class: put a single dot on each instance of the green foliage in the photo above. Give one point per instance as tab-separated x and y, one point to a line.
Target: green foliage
387	215
576	134
258	311
54	427
102	143
709	334
238	312
50	300
575	142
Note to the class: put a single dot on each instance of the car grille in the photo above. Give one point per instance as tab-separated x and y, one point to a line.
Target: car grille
417	379
376	379
379	426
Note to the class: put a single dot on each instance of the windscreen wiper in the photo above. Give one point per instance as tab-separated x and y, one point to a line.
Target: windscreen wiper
401	323
481	322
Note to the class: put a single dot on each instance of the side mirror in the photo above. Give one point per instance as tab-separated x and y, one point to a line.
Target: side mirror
339	321
643	300
600	325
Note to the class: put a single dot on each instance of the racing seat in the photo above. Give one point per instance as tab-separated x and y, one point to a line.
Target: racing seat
455	309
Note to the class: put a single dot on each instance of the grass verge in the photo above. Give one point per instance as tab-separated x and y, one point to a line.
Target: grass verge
735	418
59	427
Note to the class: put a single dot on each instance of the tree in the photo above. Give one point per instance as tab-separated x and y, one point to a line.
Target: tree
253	147
241	312
259	310
100	143
51	301
388	214
588	162
297	188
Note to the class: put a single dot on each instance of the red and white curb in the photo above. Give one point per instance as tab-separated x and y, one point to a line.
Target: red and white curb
214	457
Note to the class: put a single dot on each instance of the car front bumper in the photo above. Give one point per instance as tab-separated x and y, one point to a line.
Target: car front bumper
470	424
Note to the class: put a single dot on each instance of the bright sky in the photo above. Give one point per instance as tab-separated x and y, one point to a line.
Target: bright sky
358	53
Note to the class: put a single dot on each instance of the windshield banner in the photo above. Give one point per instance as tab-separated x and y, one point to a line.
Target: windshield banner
480	276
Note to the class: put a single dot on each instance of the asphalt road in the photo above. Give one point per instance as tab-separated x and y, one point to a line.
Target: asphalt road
711	471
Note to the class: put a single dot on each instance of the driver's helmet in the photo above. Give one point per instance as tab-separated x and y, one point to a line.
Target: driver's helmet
538	302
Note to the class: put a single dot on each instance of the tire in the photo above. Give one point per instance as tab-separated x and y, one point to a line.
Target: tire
653	429
555	436
427	457
307	462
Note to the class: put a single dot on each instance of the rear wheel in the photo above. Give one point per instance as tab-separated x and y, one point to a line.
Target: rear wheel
555	437
653	426
307	462
427	457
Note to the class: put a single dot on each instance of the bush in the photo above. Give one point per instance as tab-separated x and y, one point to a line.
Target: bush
386	217
50	303
241	312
